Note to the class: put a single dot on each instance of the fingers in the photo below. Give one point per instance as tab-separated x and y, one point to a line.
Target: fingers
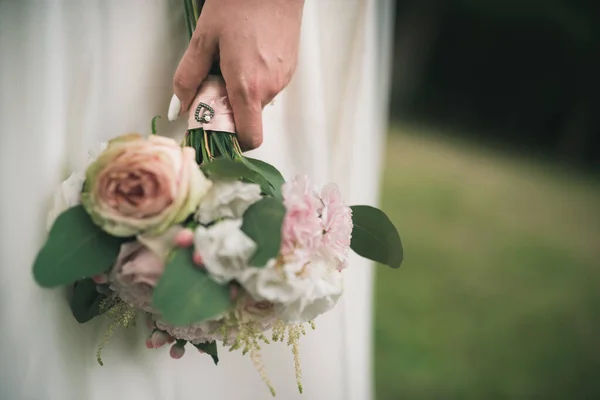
247	113
193	68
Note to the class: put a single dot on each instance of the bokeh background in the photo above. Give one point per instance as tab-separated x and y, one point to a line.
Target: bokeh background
493	178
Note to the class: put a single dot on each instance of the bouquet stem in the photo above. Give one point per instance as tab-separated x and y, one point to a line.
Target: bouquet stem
210	145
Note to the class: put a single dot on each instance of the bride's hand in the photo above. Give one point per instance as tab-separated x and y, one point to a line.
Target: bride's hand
256	42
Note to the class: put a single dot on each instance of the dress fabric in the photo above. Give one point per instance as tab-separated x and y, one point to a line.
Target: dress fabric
73	73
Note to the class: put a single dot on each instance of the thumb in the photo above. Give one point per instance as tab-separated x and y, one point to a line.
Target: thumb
192	70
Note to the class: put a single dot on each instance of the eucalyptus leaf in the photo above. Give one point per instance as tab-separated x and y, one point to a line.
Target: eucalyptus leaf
262	223
154	130
85	301
375	237
76	248
185	294
272	175
209	348
224	168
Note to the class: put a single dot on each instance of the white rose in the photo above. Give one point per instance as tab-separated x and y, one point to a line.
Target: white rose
229	199
225	249
67	195
301	292
323	291
275	283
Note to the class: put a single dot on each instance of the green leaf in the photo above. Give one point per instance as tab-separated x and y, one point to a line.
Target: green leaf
185	294
262	223
195	138
154	131
224	168
271	174
85	302
76	248
209	348
375	237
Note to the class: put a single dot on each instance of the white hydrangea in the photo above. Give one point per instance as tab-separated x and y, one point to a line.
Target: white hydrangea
227	199
95	152
225	249
279	284
68	193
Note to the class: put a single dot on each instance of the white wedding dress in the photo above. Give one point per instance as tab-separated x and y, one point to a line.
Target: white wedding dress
74	72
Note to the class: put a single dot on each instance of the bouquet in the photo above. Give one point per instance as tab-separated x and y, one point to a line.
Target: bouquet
209	246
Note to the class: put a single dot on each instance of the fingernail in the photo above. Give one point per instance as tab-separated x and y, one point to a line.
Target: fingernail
174	108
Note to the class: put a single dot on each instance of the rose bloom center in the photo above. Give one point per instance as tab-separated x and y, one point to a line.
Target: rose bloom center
139	193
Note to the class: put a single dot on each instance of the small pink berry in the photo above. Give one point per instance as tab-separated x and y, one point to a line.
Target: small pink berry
100	279
159	339
185	238
149	343
197	258
177	351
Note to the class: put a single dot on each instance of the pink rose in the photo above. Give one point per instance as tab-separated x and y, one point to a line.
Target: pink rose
135	274
143	185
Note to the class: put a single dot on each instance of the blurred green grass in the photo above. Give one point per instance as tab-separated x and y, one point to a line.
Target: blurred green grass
498	294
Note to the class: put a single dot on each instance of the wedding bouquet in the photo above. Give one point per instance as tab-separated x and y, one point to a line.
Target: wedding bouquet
208	245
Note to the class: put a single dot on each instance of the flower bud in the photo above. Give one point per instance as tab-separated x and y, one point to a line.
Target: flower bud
177	351
149	321
100	279
158	339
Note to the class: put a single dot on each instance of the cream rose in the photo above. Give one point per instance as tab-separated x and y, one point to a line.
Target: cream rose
143	185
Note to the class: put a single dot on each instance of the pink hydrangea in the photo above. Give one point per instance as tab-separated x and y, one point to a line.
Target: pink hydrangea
302	229
336	220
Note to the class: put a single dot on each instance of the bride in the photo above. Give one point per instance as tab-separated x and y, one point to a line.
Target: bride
73	73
